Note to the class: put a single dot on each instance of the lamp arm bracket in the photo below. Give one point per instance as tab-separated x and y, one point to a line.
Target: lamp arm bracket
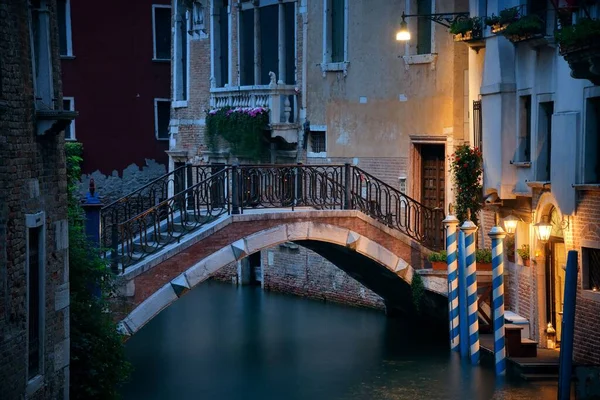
445	19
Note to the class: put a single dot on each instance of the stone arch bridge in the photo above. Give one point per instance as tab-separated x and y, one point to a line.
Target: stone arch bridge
376	234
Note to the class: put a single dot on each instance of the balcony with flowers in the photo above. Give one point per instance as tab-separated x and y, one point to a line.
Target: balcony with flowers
277	102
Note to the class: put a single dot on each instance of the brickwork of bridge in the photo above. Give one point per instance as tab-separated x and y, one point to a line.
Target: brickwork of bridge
379	257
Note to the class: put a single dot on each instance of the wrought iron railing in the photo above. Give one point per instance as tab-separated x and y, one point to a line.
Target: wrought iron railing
219	190
169	220
395	209
145	198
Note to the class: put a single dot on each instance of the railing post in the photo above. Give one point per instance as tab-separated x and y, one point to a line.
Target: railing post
114	240
296	185
347	187
235	190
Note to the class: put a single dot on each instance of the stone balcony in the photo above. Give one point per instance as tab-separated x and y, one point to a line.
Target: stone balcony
280	99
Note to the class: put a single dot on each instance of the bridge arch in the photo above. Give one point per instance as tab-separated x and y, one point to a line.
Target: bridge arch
328	239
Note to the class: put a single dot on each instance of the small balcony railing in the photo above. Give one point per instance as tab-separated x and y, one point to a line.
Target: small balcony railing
281	100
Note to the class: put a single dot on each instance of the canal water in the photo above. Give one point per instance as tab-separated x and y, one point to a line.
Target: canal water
225	342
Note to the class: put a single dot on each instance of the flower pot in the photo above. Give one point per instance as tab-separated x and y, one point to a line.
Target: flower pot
527	263
511	258
439	265
484	266
498	28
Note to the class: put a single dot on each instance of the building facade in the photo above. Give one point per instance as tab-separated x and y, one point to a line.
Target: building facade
34	275
539	129
116	69
338	86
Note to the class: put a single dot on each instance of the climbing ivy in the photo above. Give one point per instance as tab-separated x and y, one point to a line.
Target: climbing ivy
242	128
98	365
418	292
466	165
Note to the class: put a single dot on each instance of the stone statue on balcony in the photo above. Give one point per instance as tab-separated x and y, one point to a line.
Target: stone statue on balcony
273	79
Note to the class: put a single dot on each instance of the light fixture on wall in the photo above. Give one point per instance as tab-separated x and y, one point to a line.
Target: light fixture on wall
543	229
445	19
510	224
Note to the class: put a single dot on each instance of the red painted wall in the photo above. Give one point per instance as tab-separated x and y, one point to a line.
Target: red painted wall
114	82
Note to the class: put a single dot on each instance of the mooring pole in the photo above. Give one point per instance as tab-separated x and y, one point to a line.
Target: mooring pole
462	296
497	235
565	368
469	228
451	222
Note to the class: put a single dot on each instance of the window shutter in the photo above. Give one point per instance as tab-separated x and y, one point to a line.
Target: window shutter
423	27
337	30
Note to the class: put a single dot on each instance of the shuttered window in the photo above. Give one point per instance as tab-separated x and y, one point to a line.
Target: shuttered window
423	27
337	30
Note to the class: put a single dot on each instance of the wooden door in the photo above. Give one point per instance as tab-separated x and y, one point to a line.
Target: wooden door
433	171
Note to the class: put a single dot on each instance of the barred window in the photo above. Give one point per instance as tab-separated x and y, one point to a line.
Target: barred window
318	142
591	269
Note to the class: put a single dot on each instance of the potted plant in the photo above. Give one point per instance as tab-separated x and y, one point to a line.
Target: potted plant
509	248
580	47
525	28
438	260
524	254
484	259
498	23
466	29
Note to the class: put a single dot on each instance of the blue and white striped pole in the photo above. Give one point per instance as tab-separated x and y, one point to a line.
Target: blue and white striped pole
497	235
451	222
462	297
469	228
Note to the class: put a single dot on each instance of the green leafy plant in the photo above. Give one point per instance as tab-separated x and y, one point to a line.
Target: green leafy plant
524	252
464	25
98	364
242	128
509	247
437	256
418	292
526	25
466	168
505	17
483	256
585	32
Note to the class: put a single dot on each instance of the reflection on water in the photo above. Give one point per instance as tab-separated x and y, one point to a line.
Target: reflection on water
222	342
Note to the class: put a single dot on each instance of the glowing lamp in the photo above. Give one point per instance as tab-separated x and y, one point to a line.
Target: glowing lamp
510	224
543	230
403	35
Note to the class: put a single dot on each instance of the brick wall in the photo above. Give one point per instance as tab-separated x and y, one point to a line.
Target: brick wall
294	269
32	179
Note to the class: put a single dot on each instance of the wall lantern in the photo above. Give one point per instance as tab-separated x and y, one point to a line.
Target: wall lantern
543	230
445	19
510	224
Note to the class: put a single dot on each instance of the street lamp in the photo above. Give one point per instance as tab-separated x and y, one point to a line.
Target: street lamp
543	230
510	224
445	19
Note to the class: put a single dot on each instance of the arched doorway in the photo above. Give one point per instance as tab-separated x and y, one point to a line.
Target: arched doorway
555	261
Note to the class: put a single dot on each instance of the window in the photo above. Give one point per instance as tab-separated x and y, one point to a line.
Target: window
317	144
181	70
424	27
35	298
221	43
69	105
335	34
161	34
477	124
591	173
591	269
63	11
162	109
274	49
524	142
41	56
544	148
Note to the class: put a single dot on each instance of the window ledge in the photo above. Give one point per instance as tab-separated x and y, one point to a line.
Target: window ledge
322	154
71	139
34	385
162	139
417	59
521	164
179	104
590	295
539	184
587	186
67	57
335	67
161	60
